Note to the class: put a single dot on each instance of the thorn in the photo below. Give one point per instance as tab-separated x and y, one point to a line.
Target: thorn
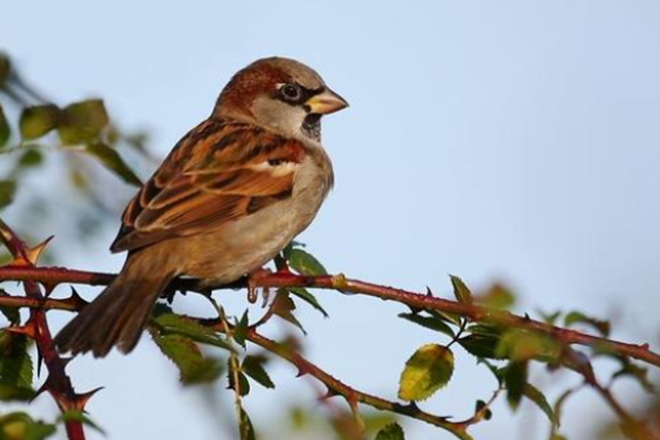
81	399
303	370
40	391
66	360
49	286
328	394
40	361
413	406
428	291
33	254
75	299
28	330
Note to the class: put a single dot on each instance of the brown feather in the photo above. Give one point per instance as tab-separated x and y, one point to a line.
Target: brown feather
219	172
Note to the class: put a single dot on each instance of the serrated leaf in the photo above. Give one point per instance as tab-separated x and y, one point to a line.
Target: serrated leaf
20	426
603	327
232	374
461	291
253	366
7	192
305	263
536	396
186	355
246	430
481	346
11	313
308	297
5	129
16	366
391	432
37	121
429	322
515	380
428	369
240	329
82	122
113	161
283	307
170	323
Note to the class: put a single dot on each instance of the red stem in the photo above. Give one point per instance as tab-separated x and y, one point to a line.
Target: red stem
58	384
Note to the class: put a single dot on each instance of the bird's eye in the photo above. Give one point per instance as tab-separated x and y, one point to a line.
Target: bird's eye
291	92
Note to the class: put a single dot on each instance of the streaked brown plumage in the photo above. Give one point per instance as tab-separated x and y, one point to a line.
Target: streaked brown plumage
231	194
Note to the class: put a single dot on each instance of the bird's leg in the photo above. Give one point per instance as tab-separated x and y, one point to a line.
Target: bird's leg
253	281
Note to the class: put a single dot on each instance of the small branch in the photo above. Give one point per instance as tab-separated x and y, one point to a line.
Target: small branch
335	386
58	384
52	276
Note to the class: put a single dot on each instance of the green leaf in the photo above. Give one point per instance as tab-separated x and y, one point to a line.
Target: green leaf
240	329
20	426
7	192
37	121
5	130
640	374
603	327
536	396
517	344
497	297
428	369
515	380
232	374
186	355
481	406
82	122
246	430
430	322
11	313
308	297
79	416
391	432
481	346
461	291
30	158
113	161
305	263
170	323
283	307
253	366
15	361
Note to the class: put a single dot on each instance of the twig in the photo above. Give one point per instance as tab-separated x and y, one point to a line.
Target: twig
52	276
58	384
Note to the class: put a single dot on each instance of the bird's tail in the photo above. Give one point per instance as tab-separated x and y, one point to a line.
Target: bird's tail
118	316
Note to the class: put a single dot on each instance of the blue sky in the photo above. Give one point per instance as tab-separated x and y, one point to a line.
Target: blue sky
512	140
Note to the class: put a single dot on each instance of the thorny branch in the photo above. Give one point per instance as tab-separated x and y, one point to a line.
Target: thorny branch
50	277
58	384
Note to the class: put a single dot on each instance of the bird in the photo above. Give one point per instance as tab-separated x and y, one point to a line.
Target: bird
232	193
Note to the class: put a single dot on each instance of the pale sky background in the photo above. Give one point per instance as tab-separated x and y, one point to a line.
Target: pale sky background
497	140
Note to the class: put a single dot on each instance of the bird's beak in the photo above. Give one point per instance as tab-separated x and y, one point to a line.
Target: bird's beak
326	102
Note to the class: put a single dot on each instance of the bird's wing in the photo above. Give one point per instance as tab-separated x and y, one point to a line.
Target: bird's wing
218	173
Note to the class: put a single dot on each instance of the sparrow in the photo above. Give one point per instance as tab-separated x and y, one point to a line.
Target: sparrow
231	194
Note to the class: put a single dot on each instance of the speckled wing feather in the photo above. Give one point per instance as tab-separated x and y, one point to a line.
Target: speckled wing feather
219	172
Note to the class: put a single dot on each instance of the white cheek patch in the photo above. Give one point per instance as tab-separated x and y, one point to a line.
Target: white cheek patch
276	168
